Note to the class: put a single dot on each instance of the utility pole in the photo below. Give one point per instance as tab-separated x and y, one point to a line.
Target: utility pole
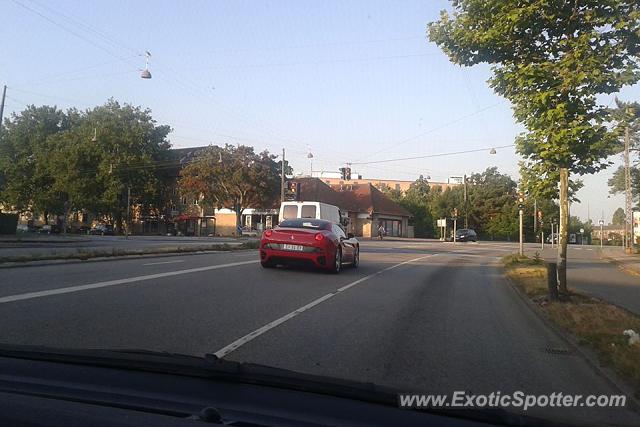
520	218
466	209
455	223
535	216
627	190
282	179
126	233
4	95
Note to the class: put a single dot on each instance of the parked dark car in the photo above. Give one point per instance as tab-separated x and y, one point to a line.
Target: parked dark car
49	229
83	229
466	235
102	230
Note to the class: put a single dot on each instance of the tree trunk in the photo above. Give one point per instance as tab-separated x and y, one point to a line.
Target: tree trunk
563	231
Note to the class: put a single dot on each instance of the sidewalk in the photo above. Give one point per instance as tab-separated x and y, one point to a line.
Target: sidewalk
628	263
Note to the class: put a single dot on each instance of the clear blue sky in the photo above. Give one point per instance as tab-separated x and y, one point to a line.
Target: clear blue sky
350	81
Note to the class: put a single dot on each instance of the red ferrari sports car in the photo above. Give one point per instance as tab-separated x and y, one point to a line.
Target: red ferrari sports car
316	242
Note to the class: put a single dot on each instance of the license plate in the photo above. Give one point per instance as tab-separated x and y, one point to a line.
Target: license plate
288	247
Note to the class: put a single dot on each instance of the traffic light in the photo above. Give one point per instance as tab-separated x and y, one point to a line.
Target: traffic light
292	191
521	200
345	173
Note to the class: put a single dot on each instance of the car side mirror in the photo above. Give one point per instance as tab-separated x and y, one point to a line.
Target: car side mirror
350	235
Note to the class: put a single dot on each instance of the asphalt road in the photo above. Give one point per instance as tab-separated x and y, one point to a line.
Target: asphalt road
590	273
420	316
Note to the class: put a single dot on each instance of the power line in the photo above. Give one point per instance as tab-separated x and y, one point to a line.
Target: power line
319	62
449	123
453	153
327	44
68	30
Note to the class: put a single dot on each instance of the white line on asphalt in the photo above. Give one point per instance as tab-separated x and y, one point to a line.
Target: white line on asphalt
252	335
164	262
128	280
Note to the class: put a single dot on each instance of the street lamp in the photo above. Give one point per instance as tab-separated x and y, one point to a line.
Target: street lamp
146	74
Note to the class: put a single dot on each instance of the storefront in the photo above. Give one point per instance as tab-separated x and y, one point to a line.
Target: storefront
259	219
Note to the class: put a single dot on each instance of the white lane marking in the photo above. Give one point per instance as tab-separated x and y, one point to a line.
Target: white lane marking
252	335
128	280
164	262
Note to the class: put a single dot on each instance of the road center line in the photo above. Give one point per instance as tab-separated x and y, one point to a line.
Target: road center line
128	280
252	335
164	262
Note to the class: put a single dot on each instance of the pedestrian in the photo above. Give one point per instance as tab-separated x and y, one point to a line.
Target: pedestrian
381	231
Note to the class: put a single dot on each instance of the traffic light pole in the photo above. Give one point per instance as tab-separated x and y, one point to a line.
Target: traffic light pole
521	247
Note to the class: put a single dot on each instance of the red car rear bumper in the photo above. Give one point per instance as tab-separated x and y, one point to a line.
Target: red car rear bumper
321	259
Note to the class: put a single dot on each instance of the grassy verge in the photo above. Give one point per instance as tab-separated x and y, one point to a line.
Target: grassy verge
82	254
595	323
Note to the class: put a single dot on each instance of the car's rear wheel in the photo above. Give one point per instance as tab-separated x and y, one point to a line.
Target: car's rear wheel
356	258
337	262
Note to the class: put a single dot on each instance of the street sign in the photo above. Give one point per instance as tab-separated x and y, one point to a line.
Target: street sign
582	231
601	222
442	222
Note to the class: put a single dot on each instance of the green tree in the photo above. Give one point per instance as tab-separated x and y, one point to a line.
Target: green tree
504	223
415	200
618	217
488	192
627	115
114	150
551	60
26	146
232	177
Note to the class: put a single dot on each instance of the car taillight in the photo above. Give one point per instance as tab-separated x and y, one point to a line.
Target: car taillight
319	237
268	233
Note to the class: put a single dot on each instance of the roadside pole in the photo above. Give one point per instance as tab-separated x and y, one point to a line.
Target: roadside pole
4	95
552	236
601	233
282	179
542	234
455	220
520	216
521	248
126	232
455	223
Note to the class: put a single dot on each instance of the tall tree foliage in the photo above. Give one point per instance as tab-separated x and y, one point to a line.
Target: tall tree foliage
551	59
232	177
55	161
627	115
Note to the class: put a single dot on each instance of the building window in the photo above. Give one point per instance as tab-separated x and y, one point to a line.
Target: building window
195	201
183	200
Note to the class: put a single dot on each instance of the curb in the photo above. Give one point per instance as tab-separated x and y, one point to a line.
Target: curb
17	264
620	264
586	354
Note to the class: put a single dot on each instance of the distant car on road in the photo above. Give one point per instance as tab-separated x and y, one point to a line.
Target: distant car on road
102	230
320	243
466	235
554	237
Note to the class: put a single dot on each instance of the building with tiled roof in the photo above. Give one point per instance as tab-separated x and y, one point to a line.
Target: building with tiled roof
366	206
